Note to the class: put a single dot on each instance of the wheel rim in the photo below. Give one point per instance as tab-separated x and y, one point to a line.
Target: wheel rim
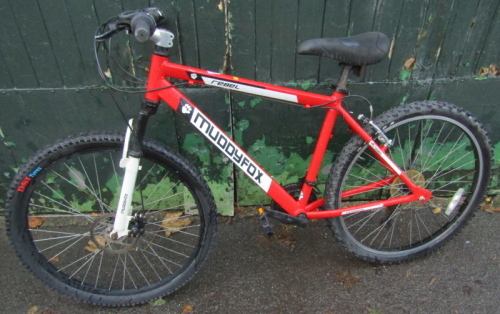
70	209
438	149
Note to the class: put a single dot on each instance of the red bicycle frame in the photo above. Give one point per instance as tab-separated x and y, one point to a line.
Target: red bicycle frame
160	88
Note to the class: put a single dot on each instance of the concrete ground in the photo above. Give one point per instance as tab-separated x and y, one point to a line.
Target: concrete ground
302	271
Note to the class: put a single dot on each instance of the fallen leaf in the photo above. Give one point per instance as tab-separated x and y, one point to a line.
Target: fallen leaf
432	281
91	246
373	310
107	73
489	208
492	70
172	223
208	295
33	309
285	236
409	64
35	222
187	309
436	210
159	301
347	279
54	259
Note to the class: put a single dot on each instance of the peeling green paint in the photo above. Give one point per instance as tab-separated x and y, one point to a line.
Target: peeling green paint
241	104
254	102
216	169
496	152
241	126
404	75
403	100
195	144
306	84
5	142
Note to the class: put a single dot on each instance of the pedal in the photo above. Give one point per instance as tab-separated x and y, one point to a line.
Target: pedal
268	229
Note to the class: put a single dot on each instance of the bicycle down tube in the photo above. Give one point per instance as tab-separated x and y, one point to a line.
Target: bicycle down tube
161	68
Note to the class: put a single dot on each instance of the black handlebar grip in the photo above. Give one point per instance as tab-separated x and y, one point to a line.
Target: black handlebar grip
143	26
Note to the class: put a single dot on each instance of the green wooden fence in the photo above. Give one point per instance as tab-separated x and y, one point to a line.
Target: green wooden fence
442	49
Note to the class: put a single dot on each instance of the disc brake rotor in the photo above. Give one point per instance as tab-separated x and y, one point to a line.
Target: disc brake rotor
99	235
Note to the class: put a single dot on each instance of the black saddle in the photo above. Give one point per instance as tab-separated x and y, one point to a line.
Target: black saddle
363	49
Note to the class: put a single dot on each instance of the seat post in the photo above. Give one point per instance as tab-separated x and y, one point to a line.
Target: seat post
344	76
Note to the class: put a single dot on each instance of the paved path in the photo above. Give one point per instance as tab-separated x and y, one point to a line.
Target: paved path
303	271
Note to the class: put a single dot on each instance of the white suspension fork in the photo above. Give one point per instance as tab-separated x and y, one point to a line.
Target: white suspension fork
124	208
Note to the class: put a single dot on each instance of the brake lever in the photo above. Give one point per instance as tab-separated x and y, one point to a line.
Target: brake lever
117	24
122	22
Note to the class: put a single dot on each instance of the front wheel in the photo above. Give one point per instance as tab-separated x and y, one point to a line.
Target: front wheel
441	148
61	208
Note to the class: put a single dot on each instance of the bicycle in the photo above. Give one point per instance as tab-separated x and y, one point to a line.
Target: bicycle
404	184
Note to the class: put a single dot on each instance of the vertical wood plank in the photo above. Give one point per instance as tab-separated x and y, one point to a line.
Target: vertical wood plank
263	39
188	36
242	29
412	19
210	27
387	19
310	25
431	38
361	16
485	12
32	43
284	40
460	25
490	52
63	42
6	78
83	20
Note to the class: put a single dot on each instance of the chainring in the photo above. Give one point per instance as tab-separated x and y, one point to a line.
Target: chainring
294	189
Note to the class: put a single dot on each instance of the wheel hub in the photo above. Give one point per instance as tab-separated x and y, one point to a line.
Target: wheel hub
398	187
100	235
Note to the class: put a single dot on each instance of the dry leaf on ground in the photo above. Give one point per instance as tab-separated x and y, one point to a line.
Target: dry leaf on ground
172	223
35	222
347	279
91	246
490	208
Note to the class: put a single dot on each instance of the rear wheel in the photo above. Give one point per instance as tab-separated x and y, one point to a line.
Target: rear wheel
443	149
61	208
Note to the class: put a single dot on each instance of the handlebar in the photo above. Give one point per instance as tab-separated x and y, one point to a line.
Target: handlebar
141	23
